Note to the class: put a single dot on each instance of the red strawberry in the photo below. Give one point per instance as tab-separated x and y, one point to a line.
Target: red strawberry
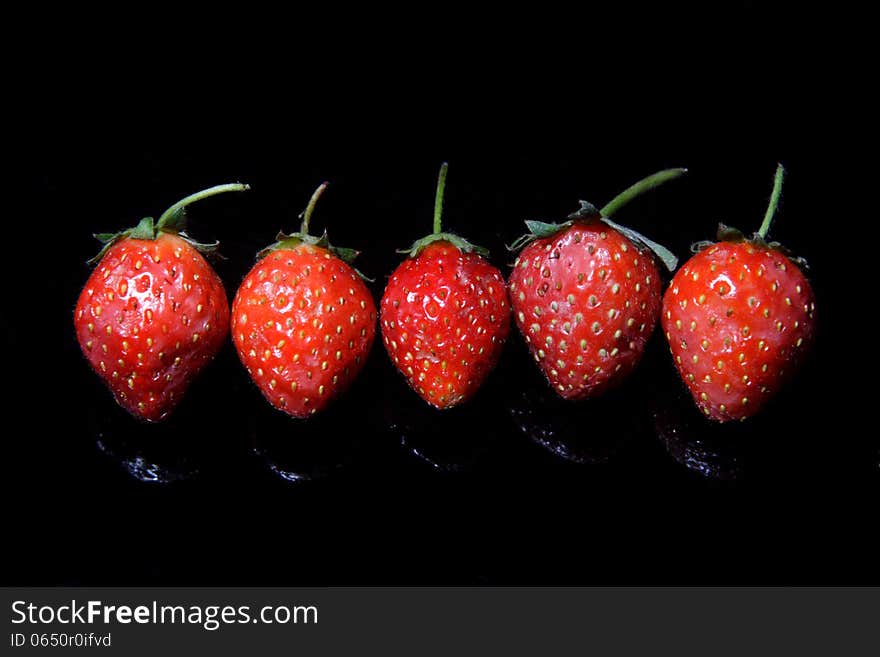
739	316
303	321
444	315
153	313
586	295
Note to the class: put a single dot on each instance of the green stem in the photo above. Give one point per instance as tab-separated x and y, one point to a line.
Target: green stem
774	202
438	199
644	185
307	215
171	212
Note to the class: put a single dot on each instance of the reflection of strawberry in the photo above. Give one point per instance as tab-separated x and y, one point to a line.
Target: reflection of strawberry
303	321
153	313
739	316
445	315
586	295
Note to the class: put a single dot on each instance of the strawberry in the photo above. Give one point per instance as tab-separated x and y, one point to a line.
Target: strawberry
445	315
739	317
586	295
303	321
153	313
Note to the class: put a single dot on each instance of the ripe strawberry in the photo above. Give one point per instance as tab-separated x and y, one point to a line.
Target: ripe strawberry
445	315
739	316
153	313
303	321
586	295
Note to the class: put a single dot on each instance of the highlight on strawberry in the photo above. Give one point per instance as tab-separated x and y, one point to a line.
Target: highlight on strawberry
153	313
303	321
586	294
445	314
739	317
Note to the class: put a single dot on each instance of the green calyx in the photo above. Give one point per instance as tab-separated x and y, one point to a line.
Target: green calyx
589	213
727	233
172	221
438	235
290	241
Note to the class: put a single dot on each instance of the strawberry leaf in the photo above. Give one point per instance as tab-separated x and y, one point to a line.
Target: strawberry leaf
145	230
175	221
541	229
456	240
586	211
667	257
172	221
730	234
344	254
289	242
538	230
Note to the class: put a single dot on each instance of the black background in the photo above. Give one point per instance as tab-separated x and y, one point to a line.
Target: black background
532	114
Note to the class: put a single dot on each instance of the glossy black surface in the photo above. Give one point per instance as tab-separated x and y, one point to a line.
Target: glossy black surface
516	487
